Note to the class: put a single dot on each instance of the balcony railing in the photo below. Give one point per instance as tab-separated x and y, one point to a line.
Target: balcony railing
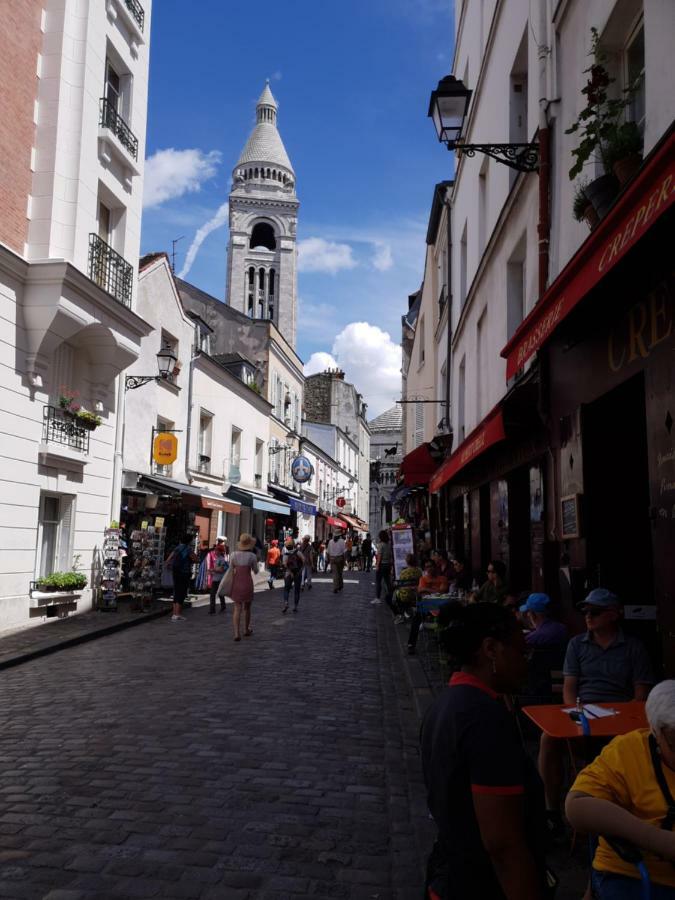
136	11
111	119
60	428
110	270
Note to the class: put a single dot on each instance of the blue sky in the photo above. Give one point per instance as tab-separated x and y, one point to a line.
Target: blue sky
352	81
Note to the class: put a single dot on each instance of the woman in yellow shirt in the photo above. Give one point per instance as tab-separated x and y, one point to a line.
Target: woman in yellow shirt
619	796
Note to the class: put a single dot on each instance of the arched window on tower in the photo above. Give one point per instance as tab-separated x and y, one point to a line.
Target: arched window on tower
261	295
250	289
255	173
263	236
270	295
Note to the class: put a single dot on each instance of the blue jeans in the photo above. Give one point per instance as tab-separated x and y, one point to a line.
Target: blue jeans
608	886
292	581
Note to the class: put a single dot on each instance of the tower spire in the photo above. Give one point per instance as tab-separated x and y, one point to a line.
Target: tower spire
266	108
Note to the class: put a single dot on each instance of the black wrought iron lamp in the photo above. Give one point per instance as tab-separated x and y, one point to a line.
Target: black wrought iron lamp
166	361
448	107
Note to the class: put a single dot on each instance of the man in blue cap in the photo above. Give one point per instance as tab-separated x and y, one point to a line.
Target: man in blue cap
602	665
546	634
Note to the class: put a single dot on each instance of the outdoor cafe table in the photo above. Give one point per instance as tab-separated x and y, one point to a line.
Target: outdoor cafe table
557	724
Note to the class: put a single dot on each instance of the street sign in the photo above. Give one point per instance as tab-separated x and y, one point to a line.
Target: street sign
301	469
341	502
165	448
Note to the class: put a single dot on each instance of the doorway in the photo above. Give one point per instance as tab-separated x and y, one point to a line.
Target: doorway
616	487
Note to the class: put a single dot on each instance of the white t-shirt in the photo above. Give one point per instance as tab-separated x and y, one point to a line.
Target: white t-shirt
336	548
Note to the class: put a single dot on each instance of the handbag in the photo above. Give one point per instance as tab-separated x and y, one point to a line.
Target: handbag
226	583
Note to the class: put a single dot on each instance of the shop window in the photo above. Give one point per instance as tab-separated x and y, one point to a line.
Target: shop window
55	533
205	438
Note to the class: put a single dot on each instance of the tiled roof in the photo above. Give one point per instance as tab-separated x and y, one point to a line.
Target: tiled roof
390	420
265	146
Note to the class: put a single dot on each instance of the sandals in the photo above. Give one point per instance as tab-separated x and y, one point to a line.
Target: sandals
248	632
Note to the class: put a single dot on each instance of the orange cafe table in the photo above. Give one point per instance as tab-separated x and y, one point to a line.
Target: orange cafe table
556	723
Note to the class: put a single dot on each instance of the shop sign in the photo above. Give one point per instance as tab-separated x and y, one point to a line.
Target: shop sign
648	198
307	509
165	448
402	545
646	325
341	502
301	469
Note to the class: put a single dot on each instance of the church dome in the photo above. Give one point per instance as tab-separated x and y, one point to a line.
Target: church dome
264	146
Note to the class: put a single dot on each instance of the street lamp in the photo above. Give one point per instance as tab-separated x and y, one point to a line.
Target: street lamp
166	360
448	108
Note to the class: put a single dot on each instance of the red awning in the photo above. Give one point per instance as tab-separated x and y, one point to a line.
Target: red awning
335	523
354	522
644	201
489	432
418	466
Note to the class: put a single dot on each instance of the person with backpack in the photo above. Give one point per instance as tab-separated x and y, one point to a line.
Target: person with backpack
294	563
181	559
273	558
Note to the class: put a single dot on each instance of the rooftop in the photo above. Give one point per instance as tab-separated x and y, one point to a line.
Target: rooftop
389	420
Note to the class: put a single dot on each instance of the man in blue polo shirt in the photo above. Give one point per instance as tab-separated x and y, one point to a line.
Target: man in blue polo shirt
603	665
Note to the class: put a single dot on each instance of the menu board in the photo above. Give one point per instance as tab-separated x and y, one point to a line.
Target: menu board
403	543
571	527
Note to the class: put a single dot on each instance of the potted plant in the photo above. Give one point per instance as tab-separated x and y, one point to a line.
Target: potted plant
597	126
68	400
88	419
582	208
61	582
178	365
623	151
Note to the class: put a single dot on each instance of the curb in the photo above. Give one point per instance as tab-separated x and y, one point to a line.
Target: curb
80	639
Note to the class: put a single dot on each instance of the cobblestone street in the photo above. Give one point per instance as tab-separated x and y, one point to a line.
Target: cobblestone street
168	761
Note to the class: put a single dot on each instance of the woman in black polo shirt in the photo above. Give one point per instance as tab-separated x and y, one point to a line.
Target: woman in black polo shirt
483	791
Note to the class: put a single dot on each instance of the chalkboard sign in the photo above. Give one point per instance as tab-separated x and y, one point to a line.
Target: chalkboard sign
571	526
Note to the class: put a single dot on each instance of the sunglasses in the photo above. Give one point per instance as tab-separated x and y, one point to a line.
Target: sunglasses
593	611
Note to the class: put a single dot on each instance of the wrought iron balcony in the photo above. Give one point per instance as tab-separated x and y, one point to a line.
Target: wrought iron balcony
58	427
110	270
111	119
136	11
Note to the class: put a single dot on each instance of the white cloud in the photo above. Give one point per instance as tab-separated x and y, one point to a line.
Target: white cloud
383	259
318	255
201	234
319	362
370	360
171	173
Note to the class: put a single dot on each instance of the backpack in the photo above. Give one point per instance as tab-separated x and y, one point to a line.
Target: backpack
294	562
182	564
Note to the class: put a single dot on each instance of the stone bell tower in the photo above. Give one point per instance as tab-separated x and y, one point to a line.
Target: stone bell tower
262	259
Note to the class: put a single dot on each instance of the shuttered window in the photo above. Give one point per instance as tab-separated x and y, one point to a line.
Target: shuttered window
419	424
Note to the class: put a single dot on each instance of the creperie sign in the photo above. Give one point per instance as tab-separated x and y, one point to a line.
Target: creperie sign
650	195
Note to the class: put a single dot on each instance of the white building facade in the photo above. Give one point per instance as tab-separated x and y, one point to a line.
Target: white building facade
73	135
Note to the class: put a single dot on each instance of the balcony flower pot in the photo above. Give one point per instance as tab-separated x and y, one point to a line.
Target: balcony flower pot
602	193
61	582
627	168
582	208
88	420
622	151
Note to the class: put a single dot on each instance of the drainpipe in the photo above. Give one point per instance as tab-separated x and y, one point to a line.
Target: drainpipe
188	426
448	275
544	226
118	458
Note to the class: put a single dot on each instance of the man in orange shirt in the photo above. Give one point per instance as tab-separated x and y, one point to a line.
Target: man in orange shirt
432	582
273	556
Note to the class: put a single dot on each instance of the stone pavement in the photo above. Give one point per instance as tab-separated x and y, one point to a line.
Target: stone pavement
168	761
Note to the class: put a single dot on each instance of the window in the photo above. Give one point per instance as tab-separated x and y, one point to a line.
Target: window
278	397
262	237
482	207
421	341
462	267
55	533
169	342
515	288
461	402
203	339
481	363
518	132
259	462
235	451
205	437
419	424
113	87
250	290
634	75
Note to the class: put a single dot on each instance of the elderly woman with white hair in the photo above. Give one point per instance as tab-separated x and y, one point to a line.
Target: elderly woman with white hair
626	795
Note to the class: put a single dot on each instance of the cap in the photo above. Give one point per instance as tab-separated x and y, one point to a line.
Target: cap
536	603
600	597
221	537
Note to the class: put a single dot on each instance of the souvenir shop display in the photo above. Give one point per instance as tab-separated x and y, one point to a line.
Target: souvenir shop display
113	550
145	571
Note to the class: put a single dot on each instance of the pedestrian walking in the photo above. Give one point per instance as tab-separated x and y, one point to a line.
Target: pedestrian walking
316	544
321	562
336	556
244	565
367	552
217	564
356	554
383	561
181	560
307	552
483	790
294	564
273	562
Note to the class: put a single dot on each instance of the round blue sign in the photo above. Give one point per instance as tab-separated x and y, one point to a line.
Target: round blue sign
301	469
